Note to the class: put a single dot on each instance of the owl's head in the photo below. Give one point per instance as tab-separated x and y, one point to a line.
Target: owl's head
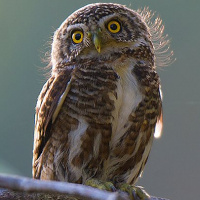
101	31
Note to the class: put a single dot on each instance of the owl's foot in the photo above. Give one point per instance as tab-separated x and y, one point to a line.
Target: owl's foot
135	192
101	185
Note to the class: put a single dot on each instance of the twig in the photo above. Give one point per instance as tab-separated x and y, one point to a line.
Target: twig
30	189
50	187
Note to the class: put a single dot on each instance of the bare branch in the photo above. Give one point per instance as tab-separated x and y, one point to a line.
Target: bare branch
52	187
25	188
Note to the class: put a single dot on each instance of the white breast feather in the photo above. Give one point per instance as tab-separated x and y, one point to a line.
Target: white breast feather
128	98
75	143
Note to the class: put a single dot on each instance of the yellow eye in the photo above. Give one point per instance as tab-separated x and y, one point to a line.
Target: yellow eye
77	37
114	26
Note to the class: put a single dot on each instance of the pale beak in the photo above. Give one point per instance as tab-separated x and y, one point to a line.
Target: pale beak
97	42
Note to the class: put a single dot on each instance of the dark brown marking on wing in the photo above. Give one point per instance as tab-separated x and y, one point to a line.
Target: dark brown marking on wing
48	99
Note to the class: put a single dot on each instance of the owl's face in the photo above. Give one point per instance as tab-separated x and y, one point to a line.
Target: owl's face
97	31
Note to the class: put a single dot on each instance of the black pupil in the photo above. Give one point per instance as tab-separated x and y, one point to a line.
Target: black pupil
78	36
113	27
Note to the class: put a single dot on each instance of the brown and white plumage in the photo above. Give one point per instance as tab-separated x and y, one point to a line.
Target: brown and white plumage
97	113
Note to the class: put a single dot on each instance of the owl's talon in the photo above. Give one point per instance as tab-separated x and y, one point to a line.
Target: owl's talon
135	192
101	185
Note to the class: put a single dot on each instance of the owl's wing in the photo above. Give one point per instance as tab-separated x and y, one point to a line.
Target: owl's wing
48	106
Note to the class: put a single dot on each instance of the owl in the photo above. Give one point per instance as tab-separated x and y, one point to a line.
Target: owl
97	113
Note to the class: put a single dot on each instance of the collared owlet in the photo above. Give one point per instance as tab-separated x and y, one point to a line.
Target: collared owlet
97	113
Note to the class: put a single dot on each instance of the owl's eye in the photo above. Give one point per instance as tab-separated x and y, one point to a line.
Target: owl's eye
77	37
114	26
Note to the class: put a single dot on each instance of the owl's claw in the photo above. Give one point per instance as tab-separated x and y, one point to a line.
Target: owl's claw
101	185
135	192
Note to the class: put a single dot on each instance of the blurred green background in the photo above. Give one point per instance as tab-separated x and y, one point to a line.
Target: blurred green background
26	26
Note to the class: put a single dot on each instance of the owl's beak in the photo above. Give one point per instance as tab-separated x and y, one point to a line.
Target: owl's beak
95	35
97	42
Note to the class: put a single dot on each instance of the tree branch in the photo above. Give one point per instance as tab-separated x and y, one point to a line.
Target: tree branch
16	187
